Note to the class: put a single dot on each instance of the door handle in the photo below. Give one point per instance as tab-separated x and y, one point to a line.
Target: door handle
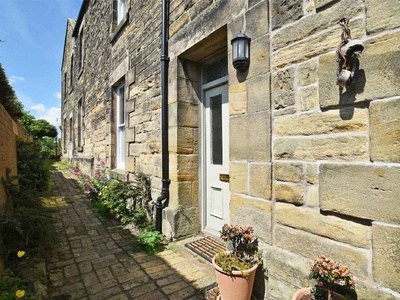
224	177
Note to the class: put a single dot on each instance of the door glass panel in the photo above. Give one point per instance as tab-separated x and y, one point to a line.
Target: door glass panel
216	129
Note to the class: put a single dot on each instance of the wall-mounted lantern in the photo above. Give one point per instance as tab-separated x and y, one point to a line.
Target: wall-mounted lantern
241	51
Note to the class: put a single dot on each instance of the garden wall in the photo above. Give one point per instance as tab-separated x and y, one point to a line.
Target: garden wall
9	130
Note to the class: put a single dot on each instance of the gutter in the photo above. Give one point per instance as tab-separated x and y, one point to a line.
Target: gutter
163	199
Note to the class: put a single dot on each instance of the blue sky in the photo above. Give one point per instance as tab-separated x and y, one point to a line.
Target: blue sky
33	32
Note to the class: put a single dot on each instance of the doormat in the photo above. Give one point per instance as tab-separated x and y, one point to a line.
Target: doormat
206	247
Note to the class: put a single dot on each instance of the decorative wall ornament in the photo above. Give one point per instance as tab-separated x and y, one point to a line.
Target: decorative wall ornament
347	55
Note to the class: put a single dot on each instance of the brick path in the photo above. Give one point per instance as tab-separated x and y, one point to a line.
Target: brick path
94	259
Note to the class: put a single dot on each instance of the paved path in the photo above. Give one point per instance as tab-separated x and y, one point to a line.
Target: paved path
94	259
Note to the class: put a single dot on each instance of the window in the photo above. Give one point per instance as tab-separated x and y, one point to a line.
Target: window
81	51
121	10
70	129
80	124
71	78
65	86
65	135
120	118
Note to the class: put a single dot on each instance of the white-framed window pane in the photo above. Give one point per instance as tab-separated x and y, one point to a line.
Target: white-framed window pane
121	10
120	99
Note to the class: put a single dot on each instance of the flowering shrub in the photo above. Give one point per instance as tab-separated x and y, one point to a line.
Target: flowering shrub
329	275
126	200
94	185
242	249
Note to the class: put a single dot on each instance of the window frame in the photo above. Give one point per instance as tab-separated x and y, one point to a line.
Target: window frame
120	128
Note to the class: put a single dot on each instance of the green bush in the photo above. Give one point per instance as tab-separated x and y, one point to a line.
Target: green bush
33	166
149	241
13	287
26	223
125	200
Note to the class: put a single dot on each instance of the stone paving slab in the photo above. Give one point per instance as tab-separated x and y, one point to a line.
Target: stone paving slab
93	258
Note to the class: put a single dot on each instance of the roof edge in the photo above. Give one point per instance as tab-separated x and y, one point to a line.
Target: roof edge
82	11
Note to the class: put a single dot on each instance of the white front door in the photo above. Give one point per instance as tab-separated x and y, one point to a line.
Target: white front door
216	158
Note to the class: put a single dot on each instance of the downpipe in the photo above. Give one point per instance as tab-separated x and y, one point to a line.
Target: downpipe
163	200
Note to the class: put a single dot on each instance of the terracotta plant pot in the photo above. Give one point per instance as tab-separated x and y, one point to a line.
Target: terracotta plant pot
306	291
234	286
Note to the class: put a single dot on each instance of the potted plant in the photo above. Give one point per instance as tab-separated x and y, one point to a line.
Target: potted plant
330	276
236	267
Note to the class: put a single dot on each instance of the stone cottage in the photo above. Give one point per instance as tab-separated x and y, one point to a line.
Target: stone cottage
313	166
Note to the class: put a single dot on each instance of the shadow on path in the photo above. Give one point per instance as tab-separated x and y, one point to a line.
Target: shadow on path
93	258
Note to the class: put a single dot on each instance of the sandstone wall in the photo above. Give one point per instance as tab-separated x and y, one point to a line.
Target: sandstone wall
335	152
313	168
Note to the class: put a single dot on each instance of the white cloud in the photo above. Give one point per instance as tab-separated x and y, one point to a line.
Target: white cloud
12	79
52	114
57	95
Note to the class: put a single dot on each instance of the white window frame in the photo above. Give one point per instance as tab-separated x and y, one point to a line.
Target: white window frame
121	10
80	123
120	126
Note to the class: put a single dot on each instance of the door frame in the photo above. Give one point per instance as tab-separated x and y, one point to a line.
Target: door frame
203	160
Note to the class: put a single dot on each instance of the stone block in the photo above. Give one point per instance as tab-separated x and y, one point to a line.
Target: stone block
130	165
238	173
331	121
363	191
179	23
258	94
288	171
279	289
375	79
182	192
385	253
286	12
249	137
312	173
180	222
238	98
382	15
385	131
249	211
312	196
310	246
183	114
130	134
307	98
370	290
310	220
318	22
322	42
323	148
257	20
260	180
182	140
288	267
282	87
307	73
184	167
290	193
259	57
